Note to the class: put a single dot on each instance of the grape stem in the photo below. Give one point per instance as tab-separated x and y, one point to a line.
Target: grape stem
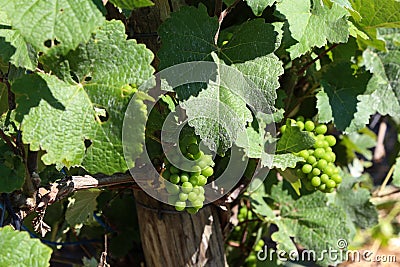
302	70
222	15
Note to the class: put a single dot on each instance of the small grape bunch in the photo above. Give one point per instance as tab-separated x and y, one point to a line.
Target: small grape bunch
318	171
187	188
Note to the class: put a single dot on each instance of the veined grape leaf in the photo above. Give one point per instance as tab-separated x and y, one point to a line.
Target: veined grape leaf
81	206
360	143
131	4
13	48
396	173
218	116
314	25
258	202
355	202
287	160
264	72
342	93
104	67
19	249
12	170
258	6
312	223
189	36
62	23
376	14
383	89
323	106
294	140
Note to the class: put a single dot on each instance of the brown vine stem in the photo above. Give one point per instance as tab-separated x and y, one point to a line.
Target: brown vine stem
303	69
6	139
221	19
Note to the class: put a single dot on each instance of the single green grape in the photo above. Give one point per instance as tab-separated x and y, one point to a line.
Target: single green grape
307	168
173	170
166	174
300	124
192	210
187	187
194	179
331	140
322	164
304	154
321	129
311	159
283	128
316	171
316	181
300	118
198	204
319	152
309	126
173	189
330	184
192	196
180	205
174	178
183	196
207	172
201	180
337	178
324	178
184	177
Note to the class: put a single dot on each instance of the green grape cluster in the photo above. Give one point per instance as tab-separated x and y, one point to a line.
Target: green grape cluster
188	187
318	171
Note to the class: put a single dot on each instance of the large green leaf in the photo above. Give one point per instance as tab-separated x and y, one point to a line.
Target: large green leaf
60	115
294	140
81	206
258	6
12	170
20	250
376	14
312	223
13	48
132	4
314	25
60	23
342	93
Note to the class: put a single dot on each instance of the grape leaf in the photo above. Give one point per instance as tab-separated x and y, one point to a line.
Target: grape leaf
376	14
13	48
12	170
294	140
81	206
258	6
355	202
342	93
323	106
258	203
314	25
360	143
383	89
19	249
312	223
104	67
264	72
132	4
287	160
189	36
396	173
62	23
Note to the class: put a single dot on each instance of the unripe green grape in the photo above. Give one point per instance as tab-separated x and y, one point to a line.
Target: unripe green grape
180	205
333	156
197	156
330	184
202	163
328	149
311	159
324	178
329	190
337	178
196	169
309	126
183	196
325	144
198	204
322	187
320	137
201	180
173	170
336	170
329	170
316	171
300	118
194	180
307	168
192	210
200	188
331	140
173	189
166	174
304	154
316	181
174	178
201	197
327	157
187	187
300	124
321	129
322	164
207	172
192	196
184	177
197	190
283	128
319	144
319	152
